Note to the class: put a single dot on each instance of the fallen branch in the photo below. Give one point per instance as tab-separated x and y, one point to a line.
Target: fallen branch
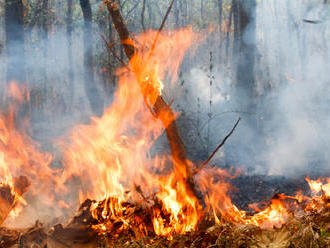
182	168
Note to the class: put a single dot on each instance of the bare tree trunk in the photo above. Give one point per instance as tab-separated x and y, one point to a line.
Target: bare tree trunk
45	26
229	28
142	15
220	13
244	54
245	38
69	30
202	12
44	38
90	88
176	14
15	40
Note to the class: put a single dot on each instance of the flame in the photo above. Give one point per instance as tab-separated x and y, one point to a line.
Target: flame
116	164
275	215
113	155
319	185
22	165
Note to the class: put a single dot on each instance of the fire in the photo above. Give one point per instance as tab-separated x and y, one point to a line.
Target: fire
273	216
319	185
134	188
22	166
115	163
113	155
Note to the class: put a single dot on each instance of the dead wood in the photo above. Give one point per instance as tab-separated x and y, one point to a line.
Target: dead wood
8	237
161	27
219	146
9	196
179	157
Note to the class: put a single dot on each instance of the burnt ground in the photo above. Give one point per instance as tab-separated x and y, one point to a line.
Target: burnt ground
258	188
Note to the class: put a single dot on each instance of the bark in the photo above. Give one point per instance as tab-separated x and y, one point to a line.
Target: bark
15	40
90	88
179	157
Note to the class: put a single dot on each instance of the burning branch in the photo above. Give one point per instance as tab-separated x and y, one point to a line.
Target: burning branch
182	168
9	196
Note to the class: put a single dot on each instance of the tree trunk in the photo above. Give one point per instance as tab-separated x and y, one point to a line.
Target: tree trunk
90	88
245	38
69	30
202	12
43	32
15	40
142	15
245	85
176	14
220	13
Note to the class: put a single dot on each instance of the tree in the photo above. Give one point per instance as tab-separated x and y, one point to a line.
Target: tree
245	48
220	13
90	87
69	29
15	40
244	12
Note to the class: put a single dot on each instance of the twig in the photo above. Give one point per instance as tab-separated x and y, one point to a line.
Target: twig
161	28
109	46
132	9
220	145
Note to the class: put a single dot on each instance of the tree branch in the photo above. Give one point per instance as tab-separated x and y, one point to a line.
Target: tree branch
181	165
220	145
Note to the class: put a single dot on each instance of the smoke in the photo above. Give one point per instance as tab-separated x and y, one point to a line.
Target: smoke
292	137
292	133
55	105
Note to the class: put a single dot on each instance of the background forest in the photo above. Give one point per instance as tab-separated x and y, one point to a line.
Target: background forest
264	60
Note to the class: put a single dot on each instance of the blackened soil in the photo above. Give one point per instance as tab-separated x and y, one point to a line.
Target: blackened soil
259	188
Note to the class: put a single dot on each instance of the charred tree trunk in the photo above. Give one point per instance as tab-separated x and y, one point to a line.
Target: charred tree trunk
245	85
15	40
245	48
246	38
90	87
